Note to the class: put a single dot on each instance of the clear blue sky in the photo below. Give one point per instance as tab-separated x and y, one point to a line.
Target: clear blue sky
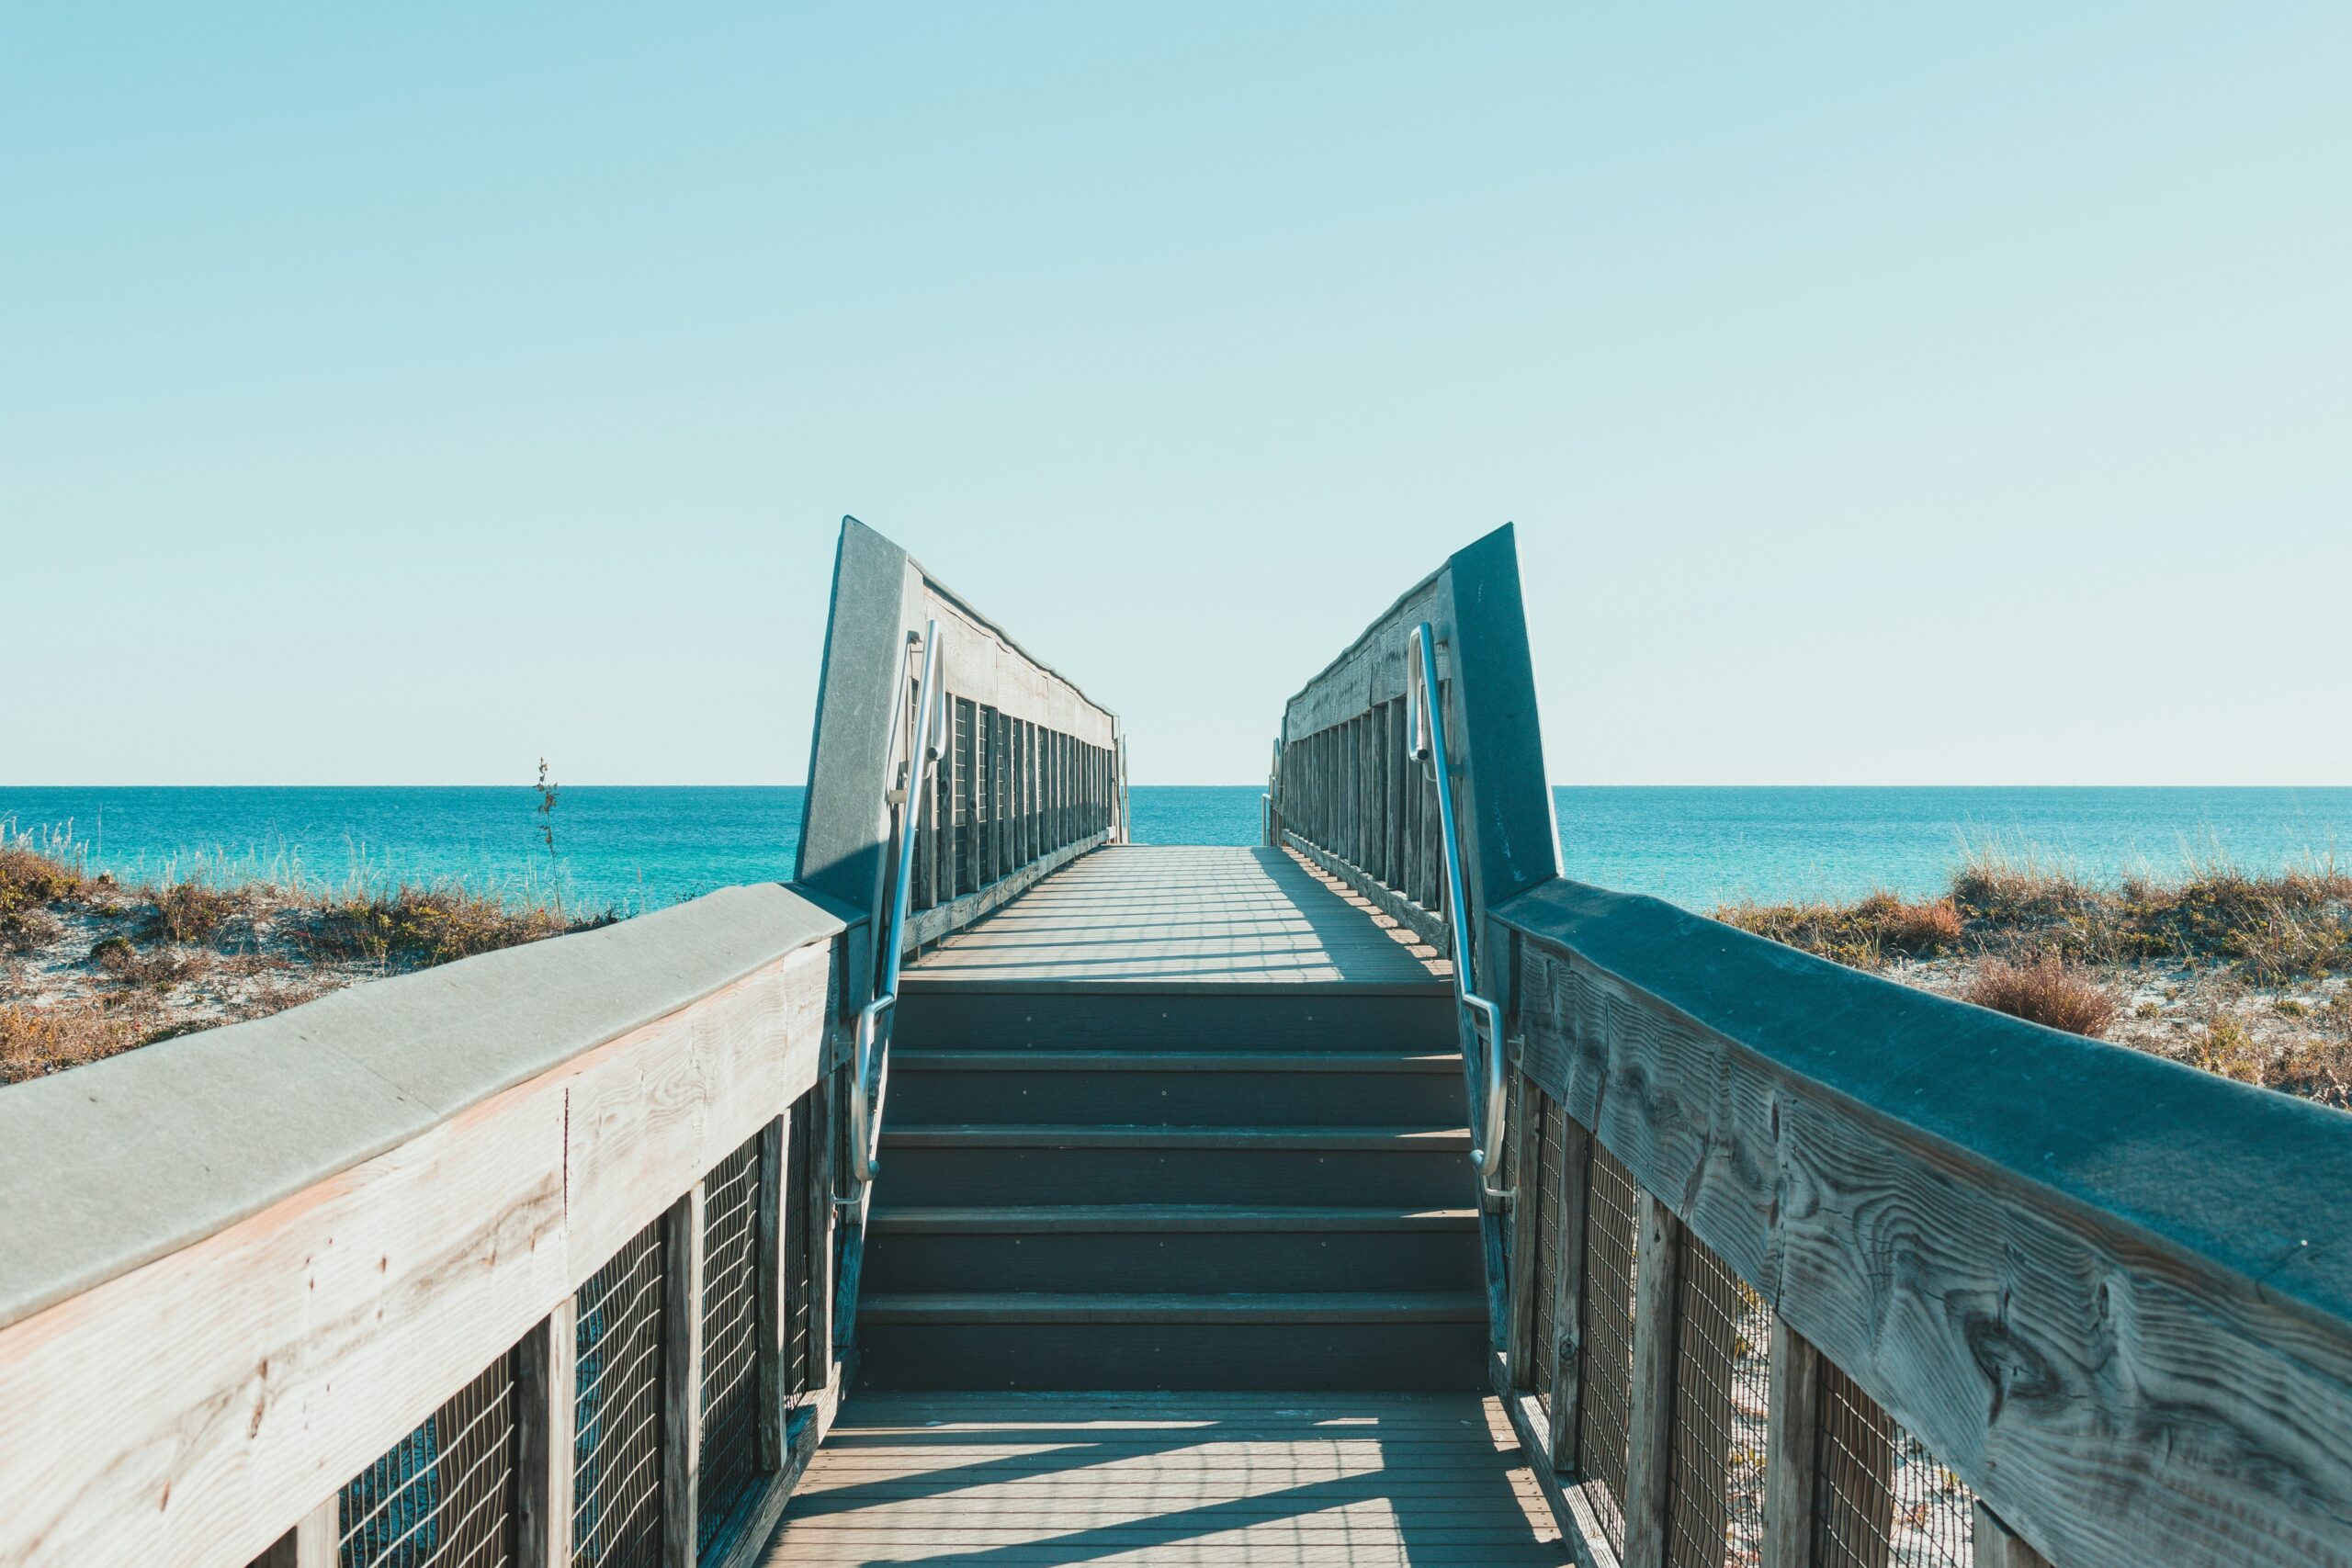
1884	393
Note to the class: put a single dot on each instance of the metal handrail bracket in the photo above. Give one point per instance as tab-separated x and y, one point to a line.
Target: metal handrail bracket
1429	746
870	1069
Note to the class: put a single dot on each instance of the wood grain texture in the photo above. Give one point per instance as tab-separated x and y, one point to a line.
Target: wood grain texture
214	1395
192	1409
653	1111
2070	1269
1649	1445
1792	1450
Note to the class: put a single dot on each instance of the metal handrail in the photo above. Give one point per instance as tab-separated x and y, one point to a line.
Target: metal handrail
869	1079
1429	746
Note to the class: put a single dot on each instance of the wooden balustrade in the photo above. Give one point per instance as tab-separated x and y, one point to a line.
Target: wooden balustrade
1914	1283
1026	779
1806	1268
482	1263
1345	794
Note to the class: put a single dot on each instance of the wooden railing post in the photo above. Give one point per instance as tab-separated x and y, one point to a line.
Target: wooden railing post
1526	1243
770	1281
317	1540
544	1406
680	1376
1999	1547
1568	1299
1650	1448
1792	1450
544	1394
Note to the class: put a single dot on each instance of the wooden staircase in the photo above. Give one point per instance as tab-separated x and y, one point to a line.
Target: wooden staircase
1140	1187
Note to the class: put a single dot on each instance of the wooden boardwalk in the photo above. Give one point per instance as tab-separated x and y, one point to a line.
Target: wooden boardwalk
1167	916
1023	1480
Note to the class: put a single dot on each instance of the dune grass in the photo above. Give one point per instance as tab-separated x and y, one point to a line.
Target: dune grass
2288	925
95	966
2244	974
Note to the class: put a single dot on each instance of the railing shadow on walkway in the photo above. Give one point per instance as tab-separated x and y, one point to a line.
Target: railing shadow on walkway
1303	1478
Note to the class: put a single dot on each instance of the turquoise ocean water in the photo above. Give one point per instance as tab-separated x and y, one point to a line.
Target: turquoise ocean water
639	848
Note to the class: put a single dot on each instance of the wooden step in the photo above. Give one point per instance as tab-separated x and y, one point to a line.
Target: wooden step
1298	1340
1226	1018
1197	1249
1177	1087
1094	1307
1419	1167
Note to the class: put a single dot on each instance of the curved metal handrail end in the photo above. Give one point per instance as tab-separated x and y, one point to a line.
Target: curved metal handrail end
872	1058
1426	742
1487	1158
865	1102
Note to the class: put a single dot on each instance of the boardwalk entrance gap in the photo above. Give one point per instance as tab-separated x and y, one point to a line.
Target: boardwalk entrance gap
1001	1191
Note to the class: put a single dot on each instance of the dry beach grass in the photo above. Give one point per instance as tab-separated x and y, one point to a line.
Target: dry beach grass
91	967
2244	975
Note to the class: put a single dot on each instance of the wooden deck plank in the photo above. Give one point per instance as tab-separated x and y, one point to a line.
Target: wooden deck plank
1166	1479
1182	915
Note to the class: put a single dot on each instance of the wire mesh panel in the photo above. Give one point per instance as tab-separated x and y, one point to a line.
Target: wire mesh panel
730	1338
616	1410
992	797
1545	1120
1722	1399
1605	1348
443	1497
967	798
1884	1501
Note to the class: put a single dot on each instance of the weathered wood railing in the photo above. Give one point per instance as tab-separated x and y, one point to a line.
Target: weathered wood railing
545	1258
1349	796
528	1260
1346	794
1027	777
1812	1269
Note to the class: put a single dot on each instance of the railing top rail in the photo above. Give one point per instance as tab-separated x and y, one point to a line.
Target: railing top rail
113	1165
1393	621
964	606
2225	1174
